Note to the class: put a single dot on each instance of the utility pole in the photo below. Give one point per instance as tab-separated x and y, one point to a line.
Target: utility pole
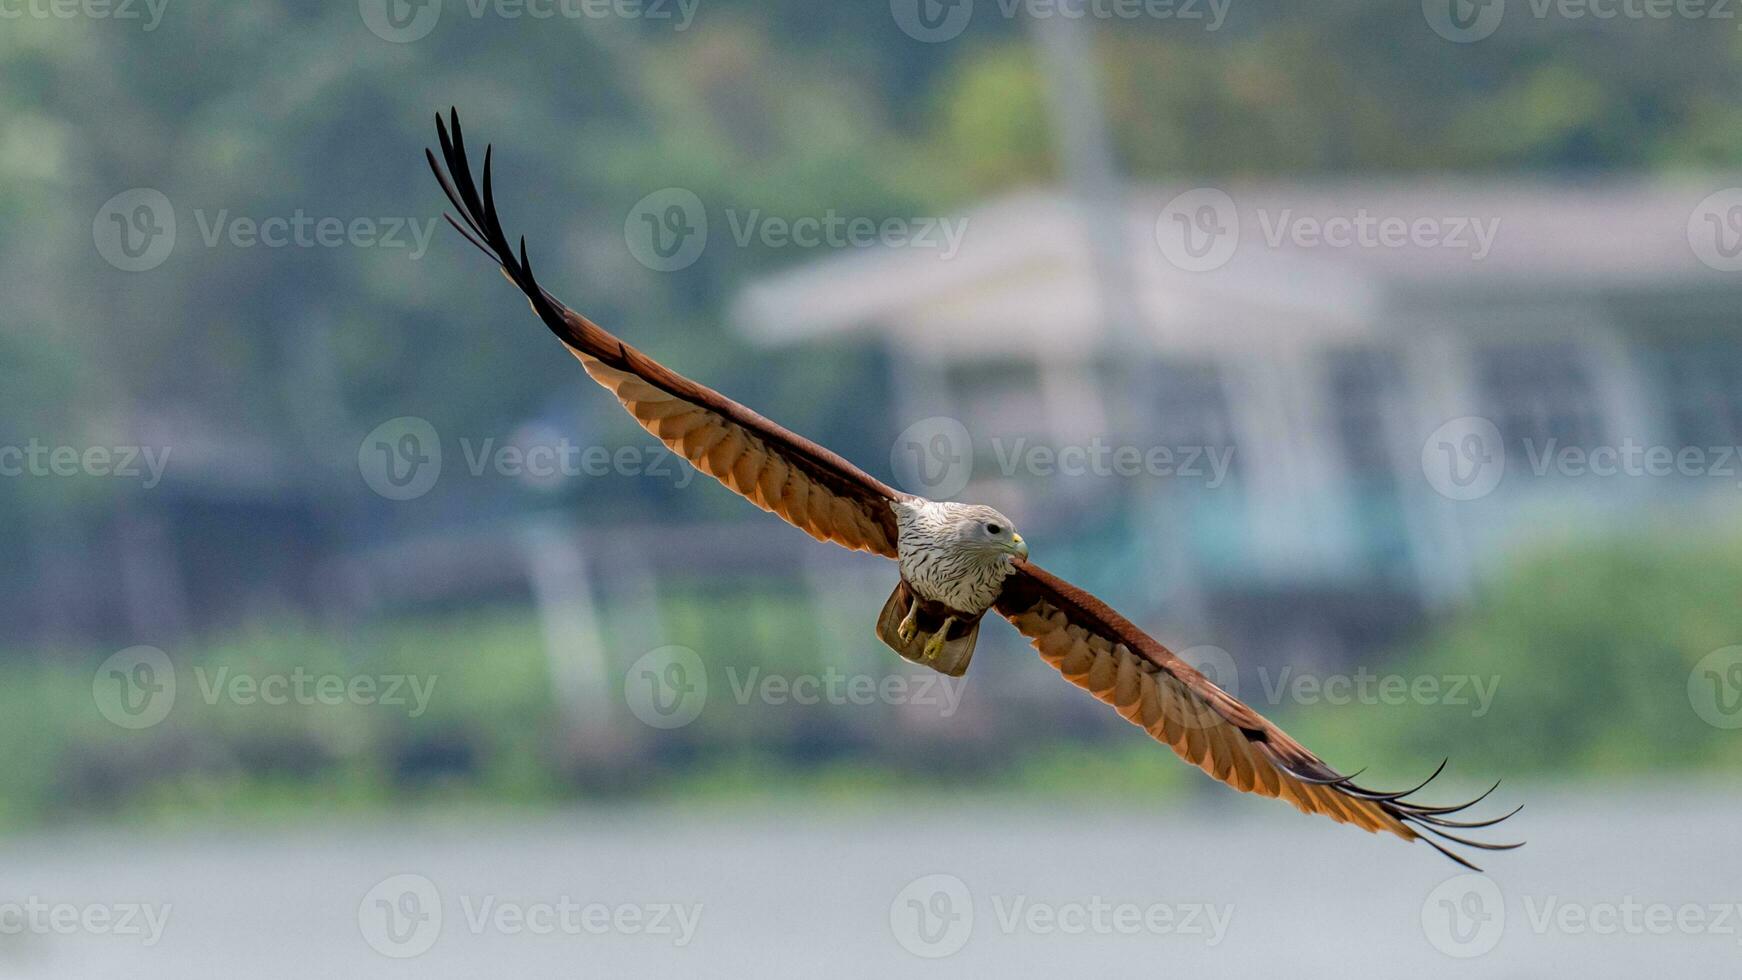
1092	179
1085	149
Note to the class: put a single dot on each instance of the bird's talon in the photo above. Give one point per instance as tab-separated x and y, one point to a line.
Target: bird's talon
909	626
933	647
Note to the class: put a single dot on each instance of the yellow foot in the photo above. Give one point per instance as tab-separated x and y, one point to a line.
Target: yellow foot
909	626
935	645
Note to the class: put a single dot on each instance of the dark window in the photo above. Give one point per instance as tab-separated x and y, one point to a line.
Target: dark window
1000	399
1702	386
1365	388
1540	393
1190	407
1364	385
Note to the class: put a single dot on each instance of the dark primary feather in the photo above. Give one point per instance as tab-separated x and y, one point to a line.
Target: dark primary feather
828	498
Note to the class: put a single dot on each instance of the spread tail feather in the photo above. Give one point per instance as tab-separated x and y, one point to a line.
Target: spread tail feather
960	633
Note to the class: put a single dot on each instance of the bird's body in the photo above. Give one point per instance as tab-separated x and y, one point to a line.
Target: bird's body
956	561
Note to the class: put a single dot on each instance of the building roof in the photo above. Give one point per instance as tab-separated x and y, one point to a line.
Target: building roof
1023	279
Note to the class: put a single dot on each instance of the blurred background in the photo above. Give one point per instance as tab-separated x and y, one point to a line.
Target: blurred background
1382	359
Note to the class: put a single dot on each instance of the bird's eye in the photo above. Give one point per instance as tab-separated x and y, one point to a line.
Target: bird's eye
994	529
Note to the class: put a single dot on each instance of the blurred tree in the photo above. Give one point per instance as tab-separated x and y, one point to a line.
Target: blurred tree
1592	647
790	109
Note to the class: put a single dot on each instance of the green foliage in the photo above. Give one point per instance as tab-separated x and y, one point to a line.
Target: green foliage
1592	647
269	108
787	109
227	750
993	120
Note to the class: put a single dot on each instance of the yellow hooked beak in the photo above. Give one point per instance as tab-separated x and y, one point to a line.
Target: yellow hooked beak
1020	546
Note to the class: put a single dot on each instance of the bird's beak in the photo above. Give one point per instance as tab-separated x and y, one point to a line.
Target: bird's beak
1021	545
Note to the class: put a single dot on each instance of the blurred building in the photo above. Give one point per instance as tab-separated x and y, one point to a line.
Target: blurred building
1326	339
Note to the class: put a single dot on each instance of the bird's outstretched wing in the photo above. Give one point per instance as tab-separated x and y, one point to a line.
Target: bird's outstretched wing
810	487
1101	652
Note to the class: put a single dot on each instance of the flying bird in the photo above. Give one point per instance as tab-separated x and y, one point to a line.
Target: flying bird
956	561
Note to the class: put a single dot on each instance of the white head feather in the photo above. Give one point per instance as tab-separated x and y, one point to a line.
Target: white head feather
957	554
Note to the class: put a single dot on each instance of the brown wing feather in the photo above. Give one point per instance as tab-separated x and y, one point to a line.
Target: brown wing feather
1101	651
777	470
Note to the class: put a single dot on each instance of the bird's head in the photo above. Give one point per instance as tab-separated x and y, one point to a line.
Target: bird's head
983	530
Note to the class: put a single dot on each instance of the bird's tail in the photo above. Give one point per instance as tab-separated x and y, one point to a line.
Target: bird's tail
928	621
